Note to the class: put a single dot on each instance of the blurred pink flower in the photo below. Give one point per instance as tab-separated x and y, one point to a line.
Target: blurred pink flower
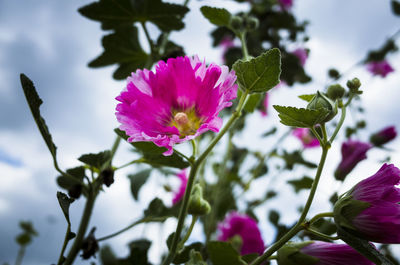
301	54
246	228
382	68
264	107
286	4
176	103
178	194
306	137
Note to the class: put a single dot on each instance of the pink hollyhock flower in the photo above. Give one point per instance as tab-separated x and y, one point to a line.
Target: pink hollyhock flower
383	136
178	195
306	137
286	4
320	253
382	68
371	209
264	107
301	54
352	153
246	228
176	103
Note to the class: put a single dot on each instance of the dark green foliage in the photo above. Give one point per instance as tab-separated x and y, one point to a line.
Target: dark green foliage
74	189
395	7
223	253
184	254
64	202
300	184
137	254
137	181
98	160
259	74
217	16
380	54
113	14
303	118
157	209
122	47
28	232
294	158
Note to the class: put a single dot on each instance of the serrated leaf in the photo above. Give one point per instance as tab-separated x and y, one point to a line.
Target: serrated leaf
153	154
300	184
364	247
396	7
307	97
137	181
123	48
96	160
34	102
223	253
64	202
217	16
300	117
113	14
259	74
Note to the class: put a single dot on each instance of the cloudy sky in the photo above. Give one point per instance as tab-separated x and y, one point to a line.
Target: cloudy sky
52	44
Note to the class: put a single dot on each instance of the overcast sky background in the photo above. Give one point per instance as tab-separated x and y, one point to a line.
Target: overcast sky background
52	44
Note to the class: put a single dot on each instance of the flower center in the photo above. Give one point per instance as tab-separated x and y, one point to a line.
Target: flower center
187	122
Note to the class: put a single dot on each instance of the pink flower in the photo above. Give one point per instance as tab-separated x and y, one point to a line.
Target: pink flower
371	209
352	153
383	136
320	253
382	68
301	54
286	4
306	137
246	228
264	108
178	195
176	103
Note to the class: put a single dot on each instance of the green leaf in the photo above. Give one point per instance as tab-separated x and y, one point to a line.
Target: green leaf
113	14
137	181
296	158
307	97
364	247
184	255
158	209
195	258
64	202
259	74
252	102
217	16
153	154
396	7
34	102
96	160
123	48
303	118
28	228
107	256
138	252
300	184
223	253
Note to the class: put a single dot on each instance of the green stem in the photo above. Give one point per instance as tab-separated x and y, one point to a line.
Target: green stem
183	156
66	240
321	235
273	257
319	216
87	212
146	32
20	255
140	160
320	140
141	221
242	37
299	225
183	241
339	125
192	176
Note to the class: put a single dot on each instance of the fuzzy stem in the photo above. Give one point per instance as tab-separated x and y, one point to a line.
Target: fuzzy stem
183	241
319	216
20	255
321	235
66	240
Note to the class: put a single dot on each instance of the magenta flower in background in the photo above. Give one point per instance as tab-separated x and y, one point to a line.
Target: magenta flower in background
352	153
246	228
382	68
264	107
383	136
371	208
302	55
286	4
321	253
178	194
306	137
176	103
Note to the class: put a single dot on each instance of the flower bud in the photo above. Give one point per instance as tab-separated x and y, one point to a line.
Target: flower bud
321	101
383	136
107	175
251	23
335	91
236	22
198	205
291	254
89	245
354	85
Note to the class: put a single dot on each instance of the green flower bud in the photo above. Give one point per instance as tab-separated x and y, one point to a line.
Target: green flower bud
322	101
236	23
333	73
251	23
335	91
354	85
290	254
198	205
